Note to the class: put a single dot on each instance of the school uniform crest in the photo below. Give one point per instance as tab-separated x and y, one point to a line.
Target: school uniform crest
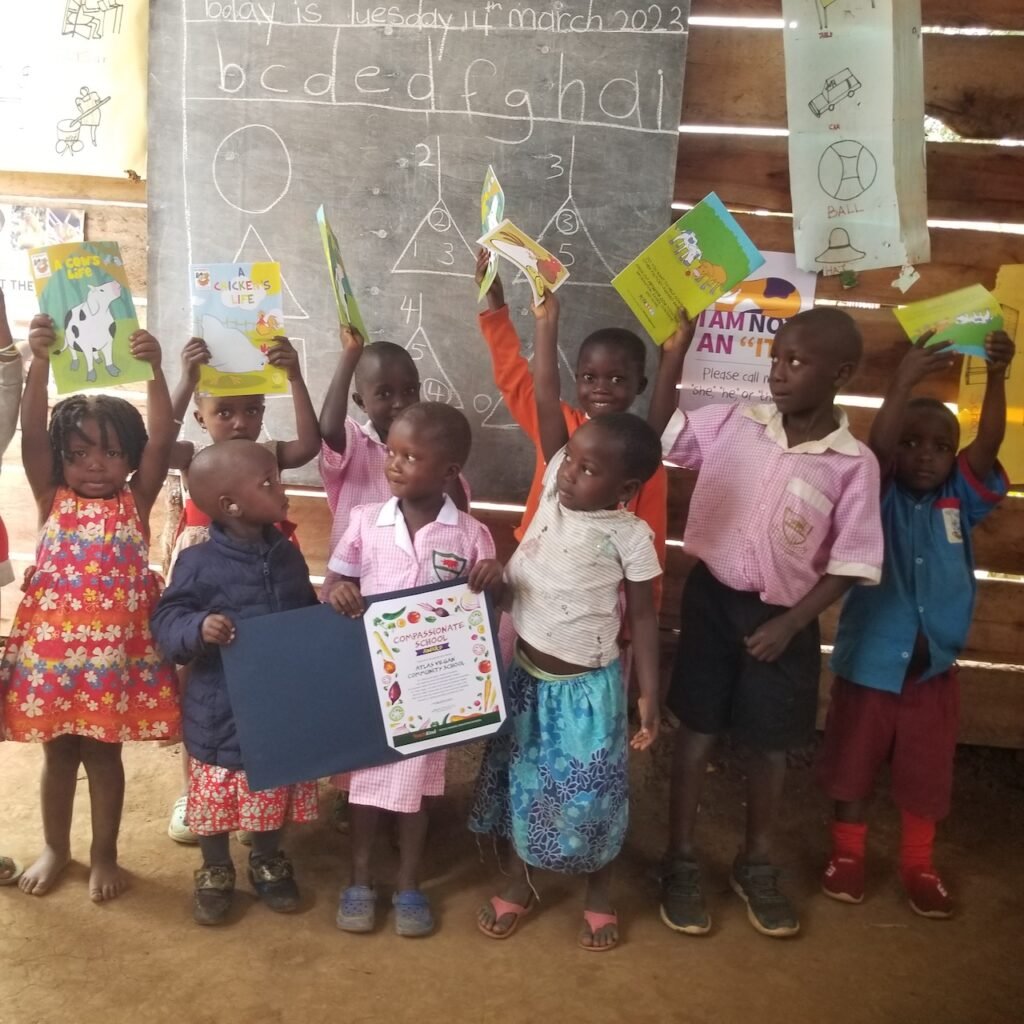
795	528
448	565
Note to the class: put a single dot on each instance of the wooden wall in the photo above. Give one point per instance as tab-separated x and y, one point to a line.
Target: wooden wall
735	77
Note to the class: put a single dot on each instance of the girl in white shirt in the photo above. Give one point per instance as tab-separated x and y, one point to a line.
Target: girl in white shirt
556	785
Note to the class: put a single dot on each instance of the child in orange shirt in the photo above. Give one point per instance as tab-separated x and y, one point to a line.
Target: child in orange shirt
609	377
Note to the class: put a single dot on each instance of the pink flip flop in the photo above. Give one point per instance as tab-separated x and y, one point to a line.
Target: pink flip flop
501	908
595	922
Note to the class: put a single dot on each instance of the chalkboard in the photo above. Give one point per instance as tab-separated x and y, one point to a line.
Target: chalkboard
390	115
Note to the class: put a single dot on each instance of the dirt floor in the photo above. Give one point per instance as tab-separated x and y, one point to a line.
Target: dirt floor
142	959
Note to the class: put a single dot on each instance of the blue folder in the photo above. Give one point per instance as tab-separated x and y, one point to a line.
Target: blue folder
303	693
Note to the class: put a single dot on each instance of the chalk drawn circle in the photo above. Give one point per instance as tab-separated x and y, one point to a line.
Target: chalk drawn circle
253	145
439	219
482	403
567	222
436	391
847	169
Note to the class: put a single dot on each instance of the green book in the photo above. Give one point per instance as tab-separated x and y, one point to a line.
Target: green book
348	308
690	266
963	317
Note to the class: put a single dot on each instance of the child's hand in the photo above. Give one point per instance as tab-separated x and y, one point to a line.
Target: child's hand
218	629
351	340
683	335
193	355
144	346
999	350
650	722
283	355
769	641
547	309
921	361
496	293
346	599
41	336
485	575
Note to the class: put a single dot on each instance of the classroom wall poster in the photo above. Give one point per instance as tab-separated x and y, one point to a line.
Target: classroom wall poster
23	228
729	358
855	98
1009	290
73	80
83	286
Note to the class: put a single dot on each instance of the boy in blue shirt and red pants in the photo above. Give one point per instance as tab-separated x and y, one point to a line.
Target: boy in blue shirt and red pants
895	695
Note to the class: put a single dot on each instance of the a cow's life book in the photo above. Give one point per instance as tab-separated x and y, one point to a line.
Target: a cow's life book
84	288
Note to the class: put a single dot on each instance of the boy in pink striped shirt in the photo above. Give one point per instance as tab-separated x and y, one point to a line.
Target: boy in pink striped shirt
784	519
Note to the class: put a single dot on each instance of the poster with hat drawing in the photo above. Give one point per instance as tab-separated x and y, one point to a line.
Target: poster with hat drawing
855	98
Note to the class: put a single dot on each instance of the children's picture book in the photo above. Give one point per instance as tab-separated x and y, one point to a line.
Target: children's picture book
492	213
84	288
700	258
348	309
542	270
963	317
236	310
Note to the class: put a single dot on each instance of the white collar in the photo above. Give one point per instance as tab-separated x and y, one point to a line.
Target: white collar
840	440
368	429
391	515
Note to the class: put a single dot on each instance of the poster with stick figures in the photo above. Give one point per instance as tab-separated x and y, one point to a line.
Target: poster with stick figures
73	87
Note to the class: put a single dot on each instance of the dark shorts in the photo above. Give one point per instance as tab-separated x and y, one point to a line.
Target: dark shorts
914	730
718	687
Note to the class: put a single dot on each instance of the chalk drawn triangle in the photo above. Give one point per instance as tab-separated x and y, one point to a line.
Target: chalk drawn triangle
436	246
254	250
568	238
498	415
435	384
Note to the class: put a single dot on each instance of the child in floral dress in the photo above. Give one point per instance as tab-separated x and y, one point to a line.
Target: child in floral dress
81	674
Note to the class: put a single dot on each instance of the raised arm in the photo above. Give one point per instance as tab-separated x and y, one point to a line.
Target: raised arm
291	454
917	364
981	453
664	400
160	426
547	385
36	456
193	355
496	292
10	380
334	411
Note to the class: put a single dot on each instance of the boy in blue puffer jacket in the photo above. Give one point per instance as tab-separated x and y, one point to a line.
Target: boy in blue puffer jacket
247	568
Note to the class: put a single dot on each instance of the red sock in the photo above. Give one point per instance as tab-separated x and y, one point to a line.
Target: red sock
849	839
916	843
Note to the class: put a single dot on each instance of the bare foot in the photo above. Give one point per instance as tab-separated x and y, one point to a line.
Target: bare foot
39	878
106	881
488	919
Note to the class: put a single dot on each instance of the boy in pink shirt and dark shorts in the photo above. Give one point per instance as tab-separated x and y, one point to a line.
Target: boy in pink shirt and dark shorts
784	520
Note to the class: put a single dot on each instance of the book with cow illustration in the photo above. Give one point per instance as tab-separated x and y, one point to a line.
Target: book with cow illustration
83	286
237	311
700	258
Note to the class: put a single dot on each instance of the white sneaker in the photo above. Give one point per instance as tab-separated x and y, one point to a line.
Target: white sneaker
177	829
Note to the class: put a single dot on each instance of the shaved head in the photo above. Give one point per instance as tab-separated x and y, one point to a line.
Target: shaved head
834	330
218	471
377	356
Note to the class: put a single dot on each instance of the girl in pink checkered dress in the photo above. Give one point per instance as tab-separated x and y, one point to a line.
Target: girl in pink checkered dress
415	538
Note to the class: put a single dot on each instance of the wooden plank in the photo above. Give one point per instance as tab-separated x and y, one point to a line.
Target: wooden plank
996	14
736	76
69	187
966	181
959	258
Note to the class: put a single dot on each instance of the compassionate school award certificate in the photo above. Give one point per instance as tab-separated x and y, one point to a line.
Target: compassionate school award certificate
435	664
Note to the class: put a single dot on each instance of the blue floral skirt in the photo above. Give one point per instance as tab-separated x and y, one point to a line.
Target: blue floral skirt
556	784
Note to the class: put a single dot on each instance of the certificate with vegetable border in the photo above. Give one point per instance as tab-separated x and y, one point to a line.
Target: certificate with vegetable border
435	665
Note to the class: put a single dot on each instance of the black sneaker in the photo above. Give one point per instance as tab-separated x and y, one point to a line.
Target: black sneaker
768	909
273	879
214	891
682	901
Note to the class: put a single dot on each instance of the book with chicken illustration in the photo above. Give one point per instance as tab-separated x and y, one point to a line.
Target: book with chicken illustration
236	310
542	270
